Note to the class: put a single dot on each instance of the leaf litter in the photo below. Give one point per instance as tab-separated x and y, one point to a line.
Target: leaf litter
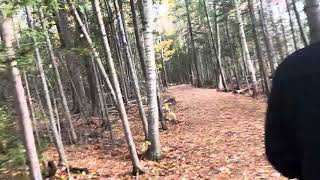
219	136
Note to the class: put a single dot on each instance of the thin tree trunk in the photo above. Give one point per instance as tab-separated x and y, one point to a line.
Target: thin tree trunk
137	168
33	117
222	78
73	62
262	64
57	138
193	47
302	32
292	26
313	13
137	36
43	111
58	77
7	35
272	58
233	56
277	37
246	51
284	34
91	83
29	98
102	104
163	64
215	52
56	112
131	68
122	76
94	51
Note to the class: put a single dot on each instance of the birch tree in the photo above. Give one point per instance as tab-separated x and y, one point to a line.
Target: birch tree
57	137
6	32
137	168
246	51
154	150
313	13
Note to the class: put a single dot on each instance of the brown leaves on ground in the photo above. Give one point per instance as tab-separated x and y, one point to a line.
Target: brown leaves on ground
220	136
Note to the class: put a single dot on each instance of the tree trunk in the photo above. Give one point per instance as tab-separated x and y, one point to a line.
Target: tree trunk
262	64
131	69
94	51
114	34
103	106
137	168
58	77
277	37
42	111
56	112
33	117
163	65
272	58
302	33
193	47
73	63
246	51
222	78
137	36
284	34
215	52
154	151
91	83
313	13
292	26
57	138
233	56
7	35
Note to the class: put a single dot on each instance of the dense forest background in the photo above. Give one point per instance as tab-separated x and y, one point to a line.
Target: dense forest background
73	71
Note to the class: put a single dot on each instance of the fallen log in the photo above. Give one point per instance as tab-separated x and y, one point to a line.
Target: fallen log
241	91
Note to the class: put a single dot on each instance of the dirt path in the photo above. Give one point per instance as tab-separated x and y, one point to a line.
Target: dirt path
220	137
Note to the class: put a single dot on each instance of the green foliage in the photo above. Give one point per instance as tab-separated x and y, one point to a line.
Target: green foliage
11	148
12	152
165	47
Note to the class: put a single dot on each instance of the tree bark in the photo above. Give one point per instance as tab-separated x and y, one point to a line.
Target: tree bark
94	50
292	26
53	59
262	64
215	52
284	35
163	65
154	151
302	32
236	63
57	138
132	69
272	58
313	13
73	63
137	168
33	117
102	104
137	36
277	37
114	34
246	51
43	111
6	31
193	47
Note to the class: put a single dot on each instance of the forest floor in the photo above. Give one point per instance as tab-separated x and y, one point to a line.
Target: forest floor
219	136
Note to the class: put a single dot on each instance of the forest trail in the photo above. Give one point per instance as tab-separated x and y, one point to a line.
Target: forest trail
220	136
